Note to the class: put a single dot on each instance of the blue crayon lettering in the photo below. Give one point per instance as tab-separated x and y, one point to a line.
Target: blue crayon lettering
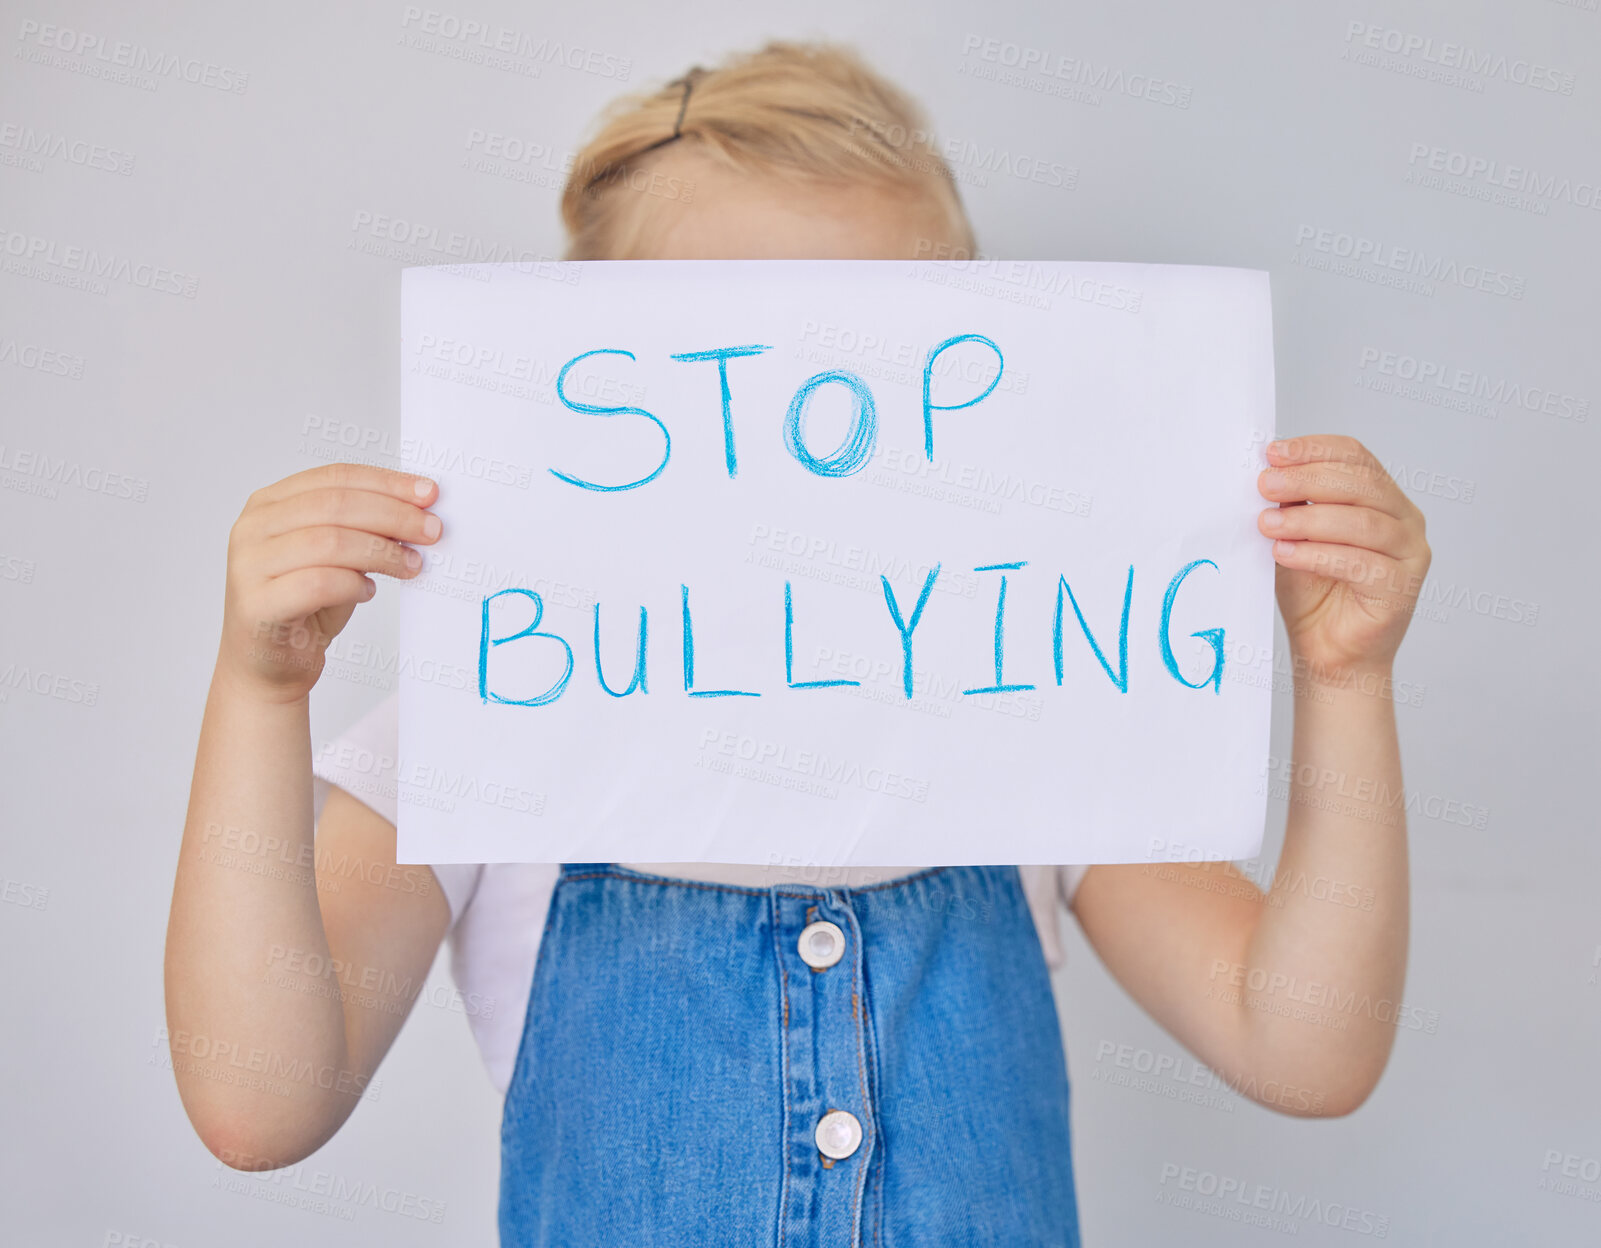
485	641
689	662
905	628
789	652
639	658
599	410
722	355
853	453
1000	686
930	407
1212	636
1119	677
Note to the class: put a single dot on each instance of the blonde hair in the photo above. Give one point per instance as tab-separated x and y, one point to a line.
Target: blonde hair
805	111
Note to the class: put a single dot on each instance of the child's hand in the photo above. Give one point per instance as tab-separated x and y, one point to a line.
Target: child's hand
297	562
1352	563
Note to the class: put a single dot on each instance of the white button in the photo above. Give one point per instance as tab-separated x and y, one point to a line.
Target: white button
821	945
838	1134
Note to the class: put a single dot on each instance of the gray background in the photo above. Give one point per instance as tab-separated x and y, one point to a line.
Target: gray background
254	194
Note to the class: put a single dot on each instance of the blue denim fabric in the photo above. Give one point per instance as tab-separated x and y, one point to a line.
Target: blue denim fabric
678	1053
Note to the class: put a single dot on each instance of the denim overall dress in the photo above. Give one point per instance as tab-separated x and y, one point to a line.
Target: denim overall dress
705	1065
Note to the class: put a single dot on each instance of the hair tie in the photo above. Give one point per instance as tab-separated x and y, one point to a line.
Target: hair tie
678	126
678	132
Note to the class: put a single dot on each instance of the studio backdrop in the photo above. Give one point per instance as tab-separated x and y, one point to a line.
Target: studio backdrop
204	215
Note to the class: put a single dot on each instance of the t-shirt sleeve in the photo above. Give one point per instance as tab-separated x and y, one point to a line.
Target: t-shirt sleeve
363	761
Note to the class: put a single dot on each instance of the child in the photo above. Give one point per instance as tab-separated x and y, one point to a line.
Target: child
700	1054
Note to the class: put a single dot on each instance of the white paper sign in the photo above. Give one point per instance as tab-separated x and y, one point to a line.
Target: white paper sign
860	562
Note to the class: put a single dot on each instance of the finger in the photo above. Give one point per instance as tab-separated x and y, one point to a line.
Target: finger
406	486
1366	570
1331	481
332	547
1344	524
299	593
367	510
1318	448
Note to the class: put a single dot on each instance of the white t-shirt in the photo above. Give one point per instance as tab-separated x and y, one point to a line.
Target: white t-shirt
498	910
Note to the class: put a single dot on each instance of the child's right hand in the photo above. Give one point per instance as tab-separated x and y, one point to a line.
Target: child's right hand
298	558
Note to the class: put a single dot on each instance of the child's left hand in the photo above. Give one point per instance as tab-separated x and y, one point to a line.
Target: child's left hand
1352	563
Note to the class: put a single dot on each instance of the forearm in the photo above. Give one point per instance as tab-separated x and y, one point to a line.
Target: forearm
1296	994
1321	976
246	892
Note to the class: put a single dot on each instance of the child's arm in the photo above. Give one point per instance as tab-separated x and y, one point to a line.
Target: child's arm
1295	997
285	982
